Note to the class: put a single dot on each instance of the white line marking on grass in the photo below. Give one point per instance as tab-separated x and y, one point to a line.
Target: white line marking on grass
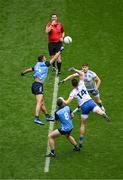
51	126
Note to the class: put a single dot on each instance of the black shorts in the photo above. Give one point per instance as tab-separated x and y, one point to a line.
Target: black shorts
54	47
64	132
37	88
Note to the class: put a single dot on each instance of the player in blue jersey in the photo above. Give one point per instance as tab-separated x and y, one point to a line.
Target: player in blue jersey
85	102
63	115
40	73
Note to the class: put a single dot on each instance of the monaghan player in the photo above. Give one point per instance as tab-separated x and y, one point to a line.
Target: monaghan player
84	100
92	83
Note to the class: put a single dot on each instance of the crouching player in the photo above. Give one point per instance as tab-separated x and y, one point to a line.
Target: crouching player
63	115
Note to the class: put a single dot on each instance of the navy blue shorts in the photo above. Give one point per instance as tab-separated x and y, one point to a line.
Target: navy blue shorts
54	47
64	132
37	88
94	92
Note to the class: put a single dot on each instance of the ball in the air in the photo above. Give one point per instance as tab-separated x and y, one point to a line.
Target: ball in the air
67	40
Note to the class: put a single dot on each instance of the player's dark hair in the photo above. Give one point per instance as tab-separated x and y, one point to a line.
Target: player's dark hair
85	65
40	58
59	102
53	14
74	82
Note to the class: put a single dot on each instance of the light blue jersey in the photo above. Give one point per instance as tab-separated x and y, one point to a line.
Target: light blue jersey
64	116
41	70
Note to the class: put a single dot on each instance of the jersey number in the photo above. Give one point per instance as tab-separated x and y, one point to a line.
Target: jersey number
66	115
80	94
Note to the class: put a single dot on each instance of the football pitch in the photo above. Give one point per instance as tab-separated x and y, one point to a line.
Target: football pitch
96	27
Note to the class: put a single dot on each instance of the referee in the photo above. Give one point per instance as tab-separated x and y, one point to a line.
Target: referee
55	31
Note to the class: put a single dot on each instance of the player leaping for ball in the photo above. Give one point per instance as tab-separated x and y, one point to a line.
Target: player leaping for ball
85	101
92	83
40	74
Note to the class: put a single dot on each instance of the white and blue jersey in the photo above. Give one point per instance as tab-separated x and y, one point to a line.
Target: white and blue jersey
80	93
89	79
64	116
41	70
85	101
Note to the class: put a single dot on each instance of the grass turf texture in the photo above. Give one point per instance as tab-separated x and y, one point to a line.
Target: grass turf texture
96	29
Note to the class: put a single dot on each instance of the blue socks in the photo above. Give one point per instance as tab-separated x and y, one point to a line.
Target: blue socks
81	139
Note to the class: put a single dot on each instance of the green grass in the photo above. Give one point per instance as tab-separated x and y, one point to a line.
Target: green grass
96	29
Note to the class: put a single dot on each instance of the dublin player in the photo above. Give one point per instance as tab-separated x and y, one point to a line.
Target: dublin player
40	74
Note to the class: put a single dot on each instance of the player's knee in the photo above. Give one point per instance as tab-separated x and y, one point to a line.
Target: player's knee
97	110
99	101
39	101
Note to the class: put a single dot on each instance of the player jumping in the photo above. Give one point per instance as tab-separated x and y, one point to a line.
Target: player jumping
85	101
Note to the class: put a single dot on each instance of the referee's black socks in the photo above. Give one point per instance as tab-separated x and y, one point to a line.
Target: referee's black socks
54	65
53	151
59	66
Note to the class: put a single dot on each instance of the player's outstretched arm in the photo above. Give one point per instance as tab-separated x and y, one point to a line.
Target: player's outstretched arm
68	101
71	76
68	78
26	71
56	55
79	72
